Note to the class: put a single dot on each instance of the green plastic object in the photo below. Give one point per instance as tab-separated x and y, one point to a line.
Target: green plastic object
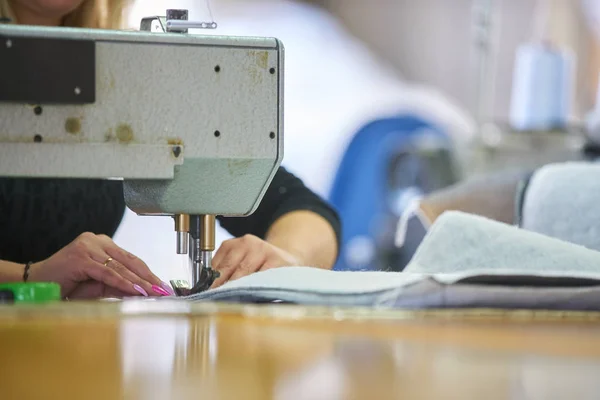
35	292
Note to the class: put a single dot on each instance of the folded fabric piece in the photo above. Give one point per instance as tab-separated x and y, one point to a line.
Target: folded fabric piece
475	289
563	201
460	242
307	285
433	294
464	261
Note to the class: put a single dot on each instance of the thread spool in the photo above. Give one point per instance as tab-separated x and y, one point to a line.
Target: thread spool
542	88
592	119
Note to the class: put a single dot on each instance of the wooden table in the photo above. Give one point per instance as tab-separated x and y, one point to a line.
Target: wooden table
174	350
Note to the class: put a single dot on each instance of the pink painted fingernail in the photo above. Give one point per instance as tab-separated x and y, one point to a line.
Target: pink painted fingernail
167	288
159	290
140	289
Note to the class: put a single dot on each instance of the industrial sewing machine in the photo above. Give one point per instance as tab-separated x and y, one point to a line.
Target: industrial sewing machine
192	124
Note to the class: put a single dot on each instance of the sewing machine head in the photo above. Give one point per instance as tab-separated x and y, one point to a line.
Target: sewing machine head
191	123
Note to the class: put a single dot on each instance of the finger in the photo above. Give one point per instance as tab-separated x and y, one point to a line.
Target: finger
109	277
98	255
130	261
222	258
228	265
133	278
222	252
108	261
249	264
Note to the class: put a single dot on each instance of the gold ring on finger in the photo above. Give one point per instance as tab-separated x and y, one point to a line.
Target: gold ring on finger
108	260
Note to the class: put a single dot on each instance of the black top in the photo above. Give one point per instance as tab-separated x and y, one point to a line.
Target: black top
40	216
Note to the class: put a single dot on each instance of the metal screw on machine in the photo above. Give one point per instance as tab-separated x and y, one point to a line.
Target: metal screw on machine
175	21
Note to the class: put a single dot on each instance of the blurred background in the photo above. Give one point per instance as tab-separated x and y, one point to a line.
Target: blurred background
387	100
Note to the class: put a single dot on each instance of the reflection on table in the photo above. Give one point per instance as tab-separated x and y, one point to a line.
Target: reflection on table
229	355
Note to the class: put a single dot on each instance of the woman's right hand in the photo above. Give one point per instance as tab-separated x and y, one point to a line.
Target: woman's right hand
94	266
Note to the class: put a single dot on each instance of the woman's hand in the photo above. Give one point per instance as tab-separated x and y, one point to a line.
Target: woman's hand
94	266
248	254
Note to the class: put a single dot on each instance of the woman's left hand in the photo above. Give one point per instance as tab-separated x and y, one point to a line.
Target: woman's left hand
248	254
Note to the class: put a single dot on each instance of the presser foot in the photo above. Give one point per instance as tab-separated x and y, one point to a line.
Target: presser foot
205	281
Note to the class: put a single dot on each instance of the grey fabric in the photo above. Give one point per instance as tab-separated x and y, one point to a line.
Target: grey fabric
310	286
460	242
433	294
464	261
552	292
563	201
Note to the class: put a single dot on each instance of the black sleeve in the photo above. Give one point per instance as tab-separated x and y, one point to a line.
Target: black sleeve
285	194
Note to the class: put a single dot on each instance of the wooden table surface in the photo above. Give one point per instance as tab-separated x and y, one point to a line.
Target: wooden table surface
174	350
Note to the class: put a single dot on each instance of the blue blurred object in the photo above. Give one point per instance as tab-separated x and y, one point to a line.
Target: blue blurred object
388	163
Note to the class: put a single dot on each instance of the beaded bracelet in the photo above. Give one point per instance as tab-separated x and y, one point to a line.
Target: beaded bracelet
26	271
